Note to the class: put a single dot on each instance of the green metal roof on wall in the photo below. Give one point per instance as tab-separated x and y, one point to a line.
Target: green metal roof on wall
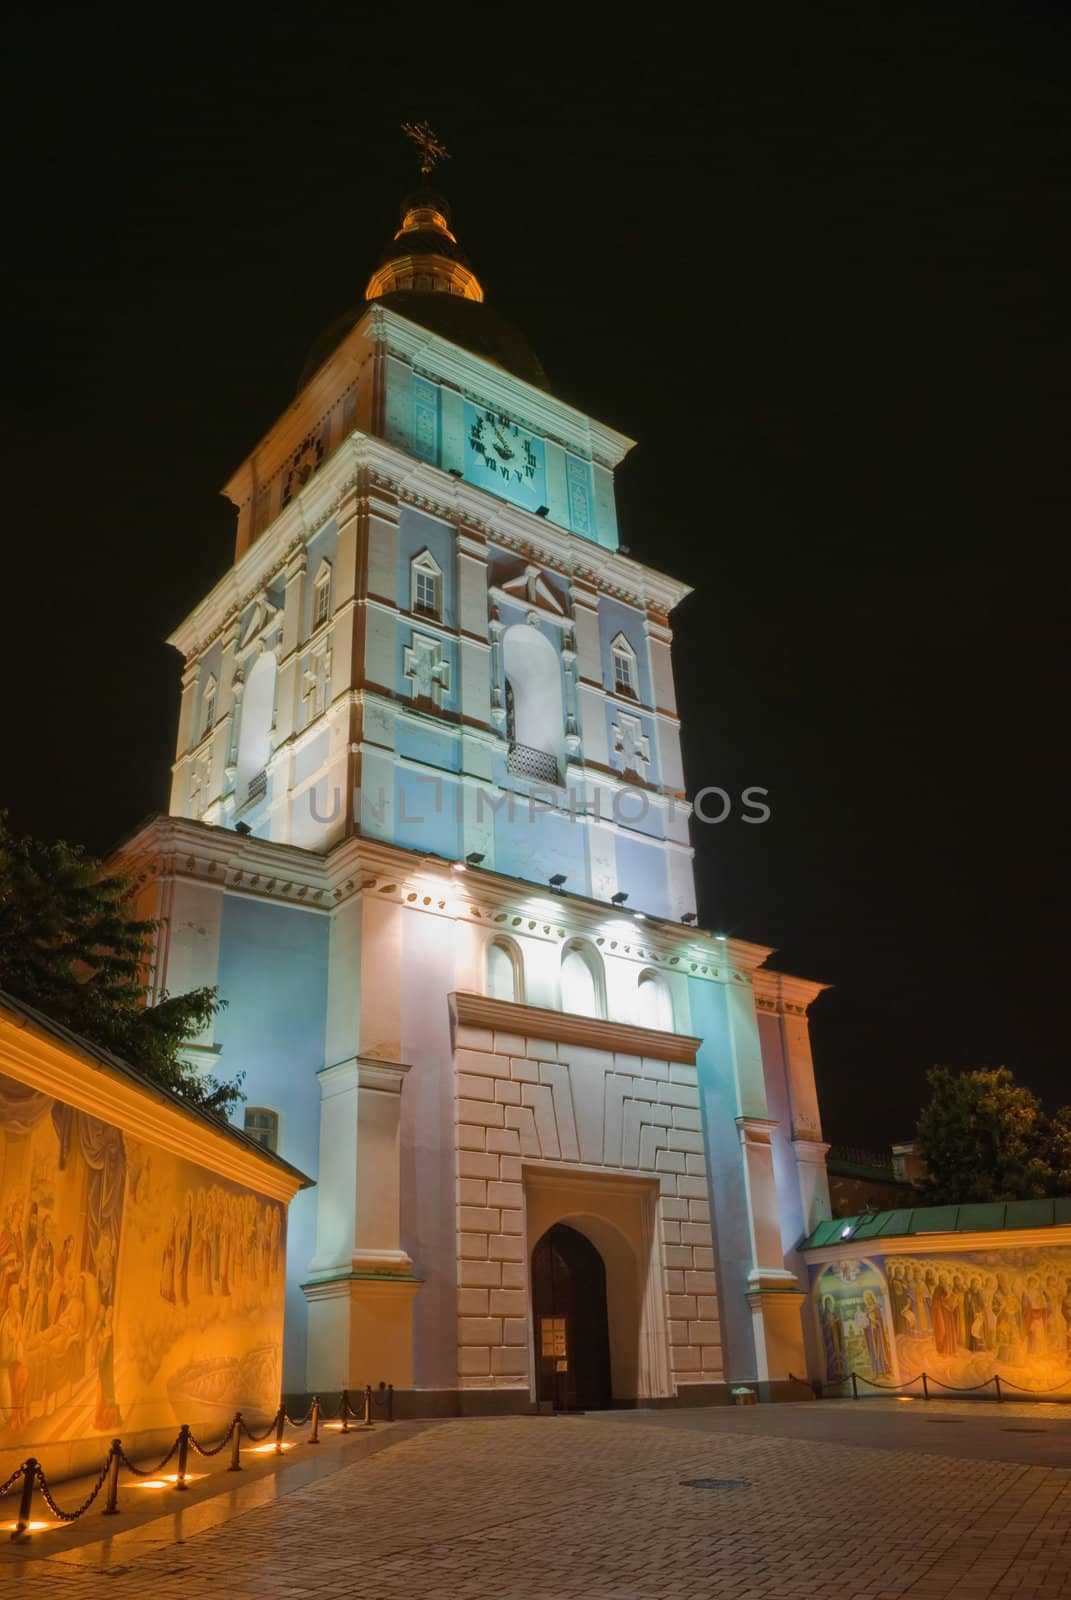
995	1217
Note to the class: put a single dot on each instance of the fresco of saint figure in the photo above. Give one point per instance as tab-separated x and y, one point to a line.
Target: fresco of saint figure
1035	1316
833	1337
976	1317
877	1343
14	1373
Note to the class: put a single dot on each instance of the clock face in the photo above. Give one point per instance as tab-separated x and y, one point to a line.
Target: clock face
505	458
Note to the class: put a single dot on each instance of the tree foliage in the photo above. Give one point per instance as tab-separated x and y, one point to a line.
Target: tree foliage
985	1137
71	946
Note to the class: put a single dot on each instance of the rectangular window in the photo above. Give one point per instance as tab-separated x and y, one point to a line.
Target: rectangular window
426	593
323	604
624	674
262	1126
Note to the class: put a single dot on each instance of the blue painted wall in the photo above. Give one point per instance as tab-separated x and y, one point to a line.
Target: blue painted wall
273	975
323	546
642	872
426	813
417	532
615	617
533	844
725	1168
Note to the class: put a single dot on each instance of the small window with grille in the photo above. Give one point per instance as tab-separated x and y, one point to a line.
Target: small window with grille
262	1125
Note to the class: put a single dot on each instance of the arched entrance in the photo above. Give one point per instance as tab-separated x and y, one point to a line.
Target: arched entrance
572	1331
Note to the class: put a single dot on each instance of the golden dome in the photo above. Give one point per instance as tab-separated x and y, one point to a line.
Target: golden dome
424	254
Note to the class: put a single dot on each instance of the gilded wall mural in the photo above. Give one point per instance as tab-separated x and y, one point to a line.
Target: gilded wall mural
961	1317
137	1289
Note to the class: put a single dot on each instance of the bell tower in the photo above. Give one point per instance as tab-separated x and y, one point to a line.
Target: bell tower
428	834
429	636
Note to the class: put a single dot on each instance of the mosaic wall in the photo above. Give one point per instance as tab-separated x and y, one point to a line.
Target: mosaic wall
960	1317
137	1290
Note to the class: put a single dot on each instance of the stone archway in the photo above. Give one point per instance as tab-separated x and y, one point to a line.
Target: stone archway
616	1218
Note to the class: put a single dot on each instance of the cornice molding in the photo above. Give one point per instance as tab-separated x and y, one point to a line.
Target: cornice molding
481	381
362	463
534	1022
89	1085
179	847
784	995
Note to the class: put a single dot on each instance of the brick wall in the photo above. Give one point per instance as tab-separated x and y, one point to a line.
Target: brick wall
522	1099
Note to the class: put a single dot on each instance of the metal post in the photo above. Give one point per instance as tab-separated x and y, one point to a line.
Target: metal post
111	1505
345	1411
280	1424
183	1456
314	1436
367	1423
29	1478
855	1387
390	1402
925	1388
236	1443
996	1380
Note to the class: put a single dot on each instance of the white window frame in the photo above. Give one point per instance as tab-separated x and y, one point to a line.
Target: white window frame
264	1111
623	655
424	566
321	596
655	984
593	961
208	705
511	950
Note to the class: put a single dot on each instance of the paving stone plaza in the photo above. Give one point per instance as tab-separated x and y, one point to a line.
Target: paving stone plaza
872	1501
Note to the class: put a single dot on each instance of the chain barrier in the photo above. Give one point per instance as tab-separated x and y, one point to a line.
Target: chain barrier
258	1438
998	1382
32	1477
72	1516
216	1449
1054	1389
147	1472
334	1416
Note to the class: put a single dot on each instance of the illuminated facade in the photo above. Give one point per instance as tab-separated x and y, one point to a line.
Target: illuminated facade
428	734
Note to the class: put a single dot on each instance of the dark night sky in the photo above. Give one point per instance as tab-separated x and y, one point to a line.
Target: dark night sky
816	263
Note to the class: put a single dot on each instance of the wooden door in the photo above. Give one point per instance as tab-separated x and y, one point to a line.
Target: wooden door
572	1335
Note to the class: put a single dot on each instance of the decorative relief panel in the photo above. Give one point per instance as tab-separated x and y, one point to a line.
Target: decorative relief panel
427	669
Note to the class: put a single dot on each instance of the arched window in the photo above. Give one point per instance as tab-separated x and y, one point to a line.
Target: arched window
582	986
426	586
262	1124
505	971
254	737
654	1008
321	596
536	721
623	658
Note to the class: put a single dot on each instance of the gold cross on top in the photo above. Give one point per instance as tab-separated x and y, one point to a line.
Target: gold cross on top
430	147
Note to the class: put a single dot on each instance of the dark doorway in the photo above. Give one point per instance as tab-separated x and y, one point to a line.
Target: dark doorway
572	1335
